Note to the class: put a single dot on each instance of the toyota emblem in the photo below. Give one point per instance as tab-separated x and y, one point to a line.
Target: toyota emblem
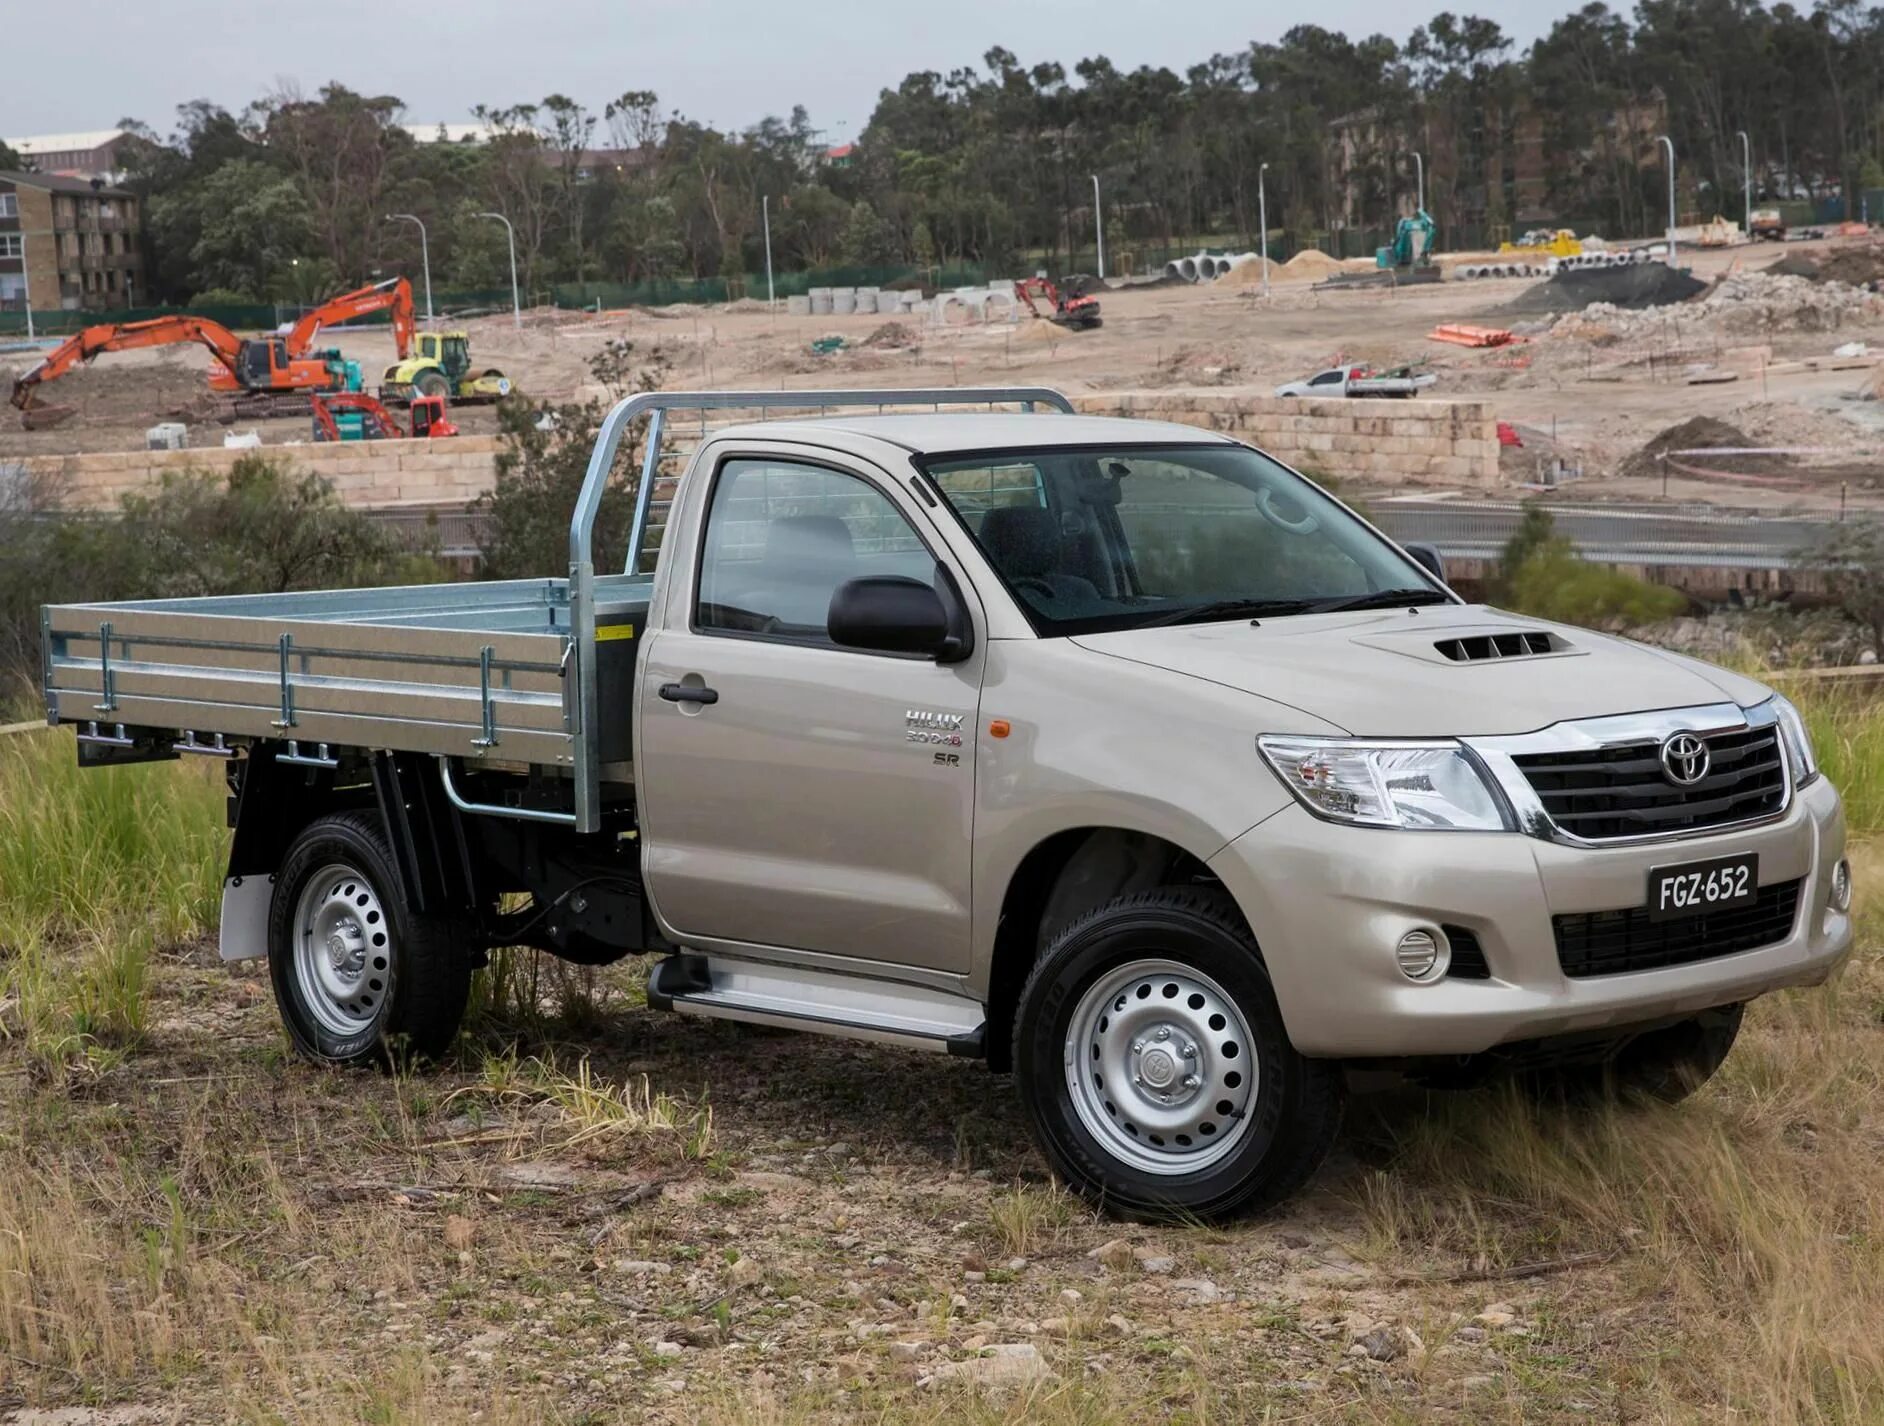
1684	759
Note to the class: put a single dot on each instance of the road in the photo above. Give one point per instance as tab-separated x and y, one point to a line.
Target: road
1667	535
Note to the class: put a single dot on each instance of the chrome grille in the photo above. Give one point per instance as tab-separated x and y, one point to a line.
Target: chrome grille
1620	790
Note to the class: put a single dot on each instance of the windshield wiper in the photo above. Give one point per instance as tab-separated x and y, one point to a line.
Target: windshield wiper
1379	599
1227	609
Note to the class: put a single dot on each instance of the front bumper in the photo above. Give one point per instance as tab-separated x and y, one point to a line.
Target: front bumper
1328	904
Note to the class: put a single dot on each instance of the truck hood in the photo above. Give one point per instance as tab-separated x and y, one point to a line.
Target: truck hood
1445	671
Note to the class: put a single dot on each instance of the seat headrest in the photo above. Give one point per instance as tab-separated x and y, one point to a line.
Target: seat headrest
1023	541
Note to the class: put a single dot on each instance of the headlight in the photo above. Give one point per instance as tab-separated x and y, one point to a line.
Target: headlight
1429	786
1805	766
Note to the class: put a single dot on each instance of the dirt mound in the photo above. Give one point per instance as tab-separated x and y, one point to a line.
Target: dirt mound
1311	265
1633	288
1249	274
1854	266
893	336
1700	433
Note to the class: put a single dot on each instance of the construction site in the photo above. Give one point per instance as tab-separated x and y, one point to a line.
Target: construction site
1597	383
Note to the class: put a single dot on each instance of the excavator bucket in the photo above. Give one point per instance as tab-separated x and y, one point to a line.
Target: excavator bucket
37	417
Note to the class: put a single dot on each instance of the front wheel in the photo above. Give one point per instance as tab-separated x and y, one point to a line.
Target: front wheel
359	977
432	383
1154	1065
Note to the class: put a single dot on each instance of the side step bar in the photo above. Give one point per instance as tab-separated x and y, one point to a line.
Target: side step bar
793	998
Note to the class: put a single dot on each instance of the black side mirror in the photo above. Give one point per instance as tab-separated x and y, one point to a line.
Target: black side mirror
1427	557
892	614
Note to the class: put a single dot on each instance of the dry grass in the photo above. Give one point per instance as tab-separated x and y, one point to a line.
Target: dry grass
193	1223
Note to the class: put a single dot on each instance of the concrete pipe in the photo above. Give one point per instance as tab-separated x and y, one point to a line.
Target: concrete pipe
820	300
1187	268
797	306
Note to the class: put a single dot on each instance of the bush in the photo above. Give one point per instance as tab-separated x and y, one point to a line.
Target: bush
540	470
1541	575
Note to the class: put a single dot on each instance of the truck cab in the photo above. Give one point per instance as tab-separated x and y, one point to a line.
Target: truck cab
1115	754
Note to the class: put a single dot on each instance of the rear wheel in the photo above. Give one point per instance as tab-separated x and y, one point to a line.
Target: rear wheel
1154	1065
432	383
359	977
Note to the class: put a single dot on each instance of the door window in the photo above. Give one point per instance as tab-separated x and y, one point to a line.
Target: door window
780	539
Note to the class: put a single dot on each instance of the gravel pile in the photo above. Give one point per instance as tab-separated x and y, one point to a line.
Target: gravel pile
1743	306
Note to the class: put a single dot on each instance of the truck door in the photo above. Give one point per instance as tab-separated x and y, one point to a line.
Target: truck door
794	793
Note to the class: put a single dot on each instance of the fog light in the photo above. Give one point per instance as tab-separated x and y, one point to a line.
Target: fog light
1422	955
1841	886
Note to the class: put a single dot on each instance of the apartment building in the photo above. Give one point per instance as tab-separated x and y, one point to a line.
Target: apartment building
68	243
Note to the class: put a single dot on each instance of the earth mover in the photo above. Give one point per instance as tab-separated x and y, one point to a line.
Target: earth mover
1112	753
440	365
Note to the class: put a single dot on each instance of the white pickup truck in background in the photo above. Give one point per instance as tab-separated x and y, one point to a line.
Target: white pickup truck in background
1359	381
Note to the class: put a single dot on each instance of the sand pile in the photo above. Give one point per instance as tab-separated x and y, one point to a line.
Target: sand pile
1309	265
893	336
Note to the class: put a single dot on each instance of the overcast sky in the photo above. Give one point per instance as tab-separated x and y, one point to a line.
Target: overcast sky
85	64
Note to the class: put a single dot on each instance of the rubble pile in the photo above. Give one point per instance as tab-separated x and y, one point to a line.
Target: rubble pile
1743	305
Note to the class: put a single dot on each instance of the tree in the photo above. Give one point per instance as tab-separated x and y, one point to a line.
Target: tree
1851	561
340	149
866	242
11	160
241	228
1540	574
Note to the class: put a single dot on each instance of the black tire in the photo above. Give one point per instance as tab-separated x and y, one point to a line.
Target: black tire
1667	1064
432	382
1297	1102
412	986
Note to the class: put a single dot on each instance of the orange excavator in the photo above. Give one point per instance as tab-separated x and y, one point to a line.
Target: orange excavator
245	365
270	375
356	416
1076	311
297	343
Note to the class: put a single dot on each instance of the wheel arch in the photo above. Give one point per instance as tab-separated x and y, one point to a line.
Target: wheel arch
1060	878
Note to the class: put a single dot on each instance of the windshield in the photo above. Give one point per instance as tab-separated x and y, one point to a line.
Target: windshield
1129	537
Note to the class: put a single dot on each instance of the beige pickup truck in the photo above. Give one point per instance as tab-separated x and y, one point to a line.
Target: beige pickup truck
1115	754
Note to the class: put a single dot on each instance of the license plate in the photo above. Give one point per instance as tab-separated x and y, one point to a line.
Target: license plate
1697	887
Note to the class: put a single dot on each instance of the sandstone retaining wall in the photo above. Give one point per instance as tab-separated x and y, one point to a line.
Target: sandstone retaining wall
1417	442
369	474
1420	442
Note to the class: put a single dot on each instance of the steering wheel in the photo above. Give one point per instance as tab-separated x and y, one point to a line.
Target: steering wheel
1038	585
1267	503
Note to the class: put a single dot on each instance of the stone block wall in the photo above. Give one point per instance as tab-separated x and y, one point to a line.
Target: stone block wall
366	474
1375	442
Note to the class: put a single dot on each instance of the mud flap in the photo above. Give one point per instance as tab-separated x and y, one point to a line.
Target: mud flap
245	902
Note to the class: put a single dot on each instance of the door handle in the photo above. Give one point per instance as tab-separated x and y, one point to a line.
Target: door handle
688	693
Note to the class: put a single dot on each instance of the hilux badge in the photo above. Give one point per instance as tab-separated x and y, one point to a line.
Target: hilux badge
921	725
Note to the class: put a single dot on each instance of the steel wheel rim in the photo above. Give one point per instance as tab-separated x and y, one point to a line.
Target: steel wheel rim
343	949
1138	1038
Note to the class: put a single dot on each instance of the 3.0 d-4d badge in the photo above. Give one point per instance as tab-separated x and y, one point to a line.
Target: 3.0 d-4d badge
943	729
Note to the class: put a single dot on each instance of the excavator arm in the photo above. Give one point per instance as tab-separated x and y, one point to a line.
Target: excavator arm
81	347
394	295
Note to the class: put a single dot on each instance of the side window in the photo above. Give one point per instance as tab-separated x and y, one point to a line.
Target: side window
1328	378
780	538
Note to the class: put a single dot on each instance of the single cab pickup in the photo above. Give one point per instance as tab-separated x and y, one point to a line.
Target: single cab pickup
1113	753
1359	381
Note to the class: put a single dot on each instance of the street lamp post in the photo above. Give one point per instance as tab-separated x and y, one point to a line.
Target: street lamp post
1746	167
1419	168
425	257
516	301
765	214
1099	226
1262	219
26	286
1669	144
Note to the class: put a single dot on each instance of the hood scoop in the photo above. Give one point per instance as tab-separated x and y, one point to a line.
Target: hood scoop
1516	644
